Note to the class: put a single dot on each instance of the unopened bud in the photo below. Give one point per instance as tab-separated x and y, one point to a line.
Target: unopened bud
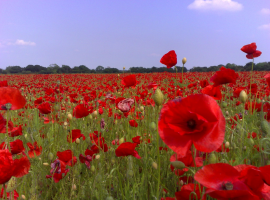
97	157
227	144
243	96
121	140
158	97
69	116
93	168
152	126
184	60
78	141
23	197
46	164
212	158
95	113
178	164
74	187
154	165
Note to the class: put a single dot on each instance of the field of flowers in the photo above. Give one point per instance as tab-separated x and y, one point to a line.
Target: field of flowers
156	136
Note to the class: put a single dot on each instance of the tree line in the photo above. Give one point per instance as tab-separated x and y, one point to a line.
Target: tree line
65	69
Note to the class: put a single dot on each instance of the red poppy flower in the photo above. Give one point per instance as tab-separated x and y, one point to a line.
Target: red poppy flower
58	170
204	83
80	111
224	76
10	167
126	149
14	194
34	149
169	59
67	157
251	51
222	182
133	123
212	91
267	76
137	140
184	193
45	108
87	159
196	119
76	133
129	81
16	147
3	84
12	96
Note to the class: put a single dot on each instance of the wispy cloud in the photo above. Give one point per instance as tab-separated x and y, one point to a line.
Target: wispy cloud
154	54
264	27
265	11
226	5
22	43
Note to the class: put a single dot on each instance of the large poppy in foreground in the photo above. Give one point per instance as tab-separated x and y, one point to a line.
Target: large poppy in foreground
169	59
10	167
196	119
12	96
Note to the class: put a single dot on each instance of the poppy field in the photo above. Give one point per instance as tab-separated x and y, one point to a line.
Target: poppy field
127	136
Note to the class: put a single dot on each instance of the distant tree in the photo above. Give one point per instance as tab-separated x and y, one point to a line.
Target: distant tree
65	69
99	69
84	69
14	69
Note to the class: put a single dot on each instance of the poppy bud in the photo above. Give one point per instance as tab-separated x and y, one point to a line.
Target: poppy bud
224	104
113	161
154	165
212	158
69	116
115	121
227	113
46	164
178	164
158	97
74	187
12	184
124	68
90	116
50	156
130	173
265	127
25	135
184	60
141	108
251	141
109	198
78	141
93	168
227	144
152	126
121	140
181	183
97	157
258	100
95	113
243	96
23	197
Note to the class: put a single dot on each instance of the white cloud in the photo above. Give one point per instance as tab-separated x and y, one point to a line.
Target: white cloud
265	11
22	42
264	27
227	5
154	54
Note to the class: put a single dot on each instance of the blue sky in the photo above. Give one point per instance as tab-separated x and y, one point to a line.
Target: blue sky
129	33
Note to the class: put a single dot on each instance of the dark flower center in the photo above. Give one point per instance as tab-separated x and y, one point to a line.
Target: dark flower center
191	124
228	186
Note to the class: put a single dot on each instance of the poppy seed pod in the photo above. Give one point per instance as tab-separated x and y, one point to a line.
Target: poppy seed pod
178	164
243	96
184	60
158	97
